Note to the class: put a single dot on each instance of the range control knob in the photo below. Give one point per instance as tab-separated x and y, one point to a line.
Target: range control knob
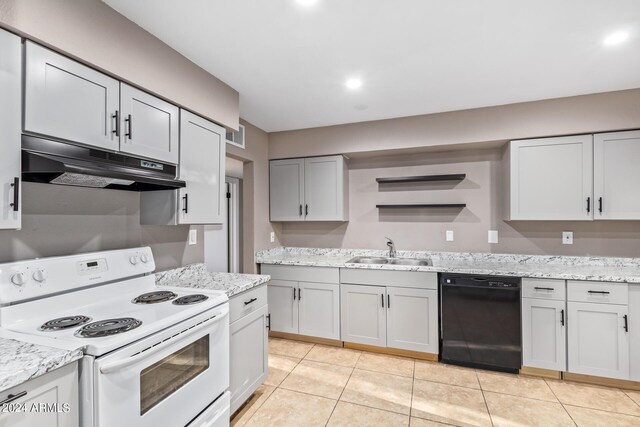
19	279
144	258
40	276
134	259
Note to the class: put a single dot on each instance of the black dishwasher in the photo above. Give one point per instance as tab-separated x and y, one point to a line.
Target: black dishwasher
480	321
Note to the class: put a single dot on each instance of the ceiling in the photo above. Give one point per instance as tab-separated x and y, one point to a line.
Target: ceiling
290	62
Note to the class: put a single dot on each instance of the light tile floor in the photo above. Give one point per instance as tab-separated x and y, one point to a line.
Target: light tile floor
316	385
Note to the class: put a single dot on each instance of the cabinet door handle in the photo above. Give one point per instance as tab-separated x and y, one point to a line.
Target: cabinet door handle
294	293
306	210
250	301
588	204
599	292
269	321
300	210
185	198
600	205
388	301
116	129
626	323
543	289
562	317
299	294
129	120
10	398
16	194
382	299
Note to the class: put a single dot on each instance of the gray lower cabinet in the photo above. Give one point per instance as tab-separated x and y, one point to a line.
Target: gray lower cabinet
363	314
634	332
57	389
248	343
544	334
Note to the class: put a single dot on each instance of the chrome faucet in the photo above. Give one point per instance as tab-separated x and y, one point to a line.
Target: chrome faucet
392	248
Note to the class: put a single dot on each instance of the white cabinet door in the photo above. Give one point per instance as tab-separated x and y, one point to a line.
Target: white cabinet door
57	389
68	100
363	314
202	159
598	342
544	334
149	125
616	157
324	189
286	190
634	331
283	305
412	319
249	356
10	119
319	310
551	179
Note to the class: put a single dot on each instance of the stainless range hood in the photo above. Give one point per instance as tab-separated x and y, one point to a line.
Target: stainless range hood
56	162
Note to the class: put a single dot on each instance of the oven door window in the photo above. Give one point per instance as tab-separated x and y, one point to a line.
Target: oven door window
165	377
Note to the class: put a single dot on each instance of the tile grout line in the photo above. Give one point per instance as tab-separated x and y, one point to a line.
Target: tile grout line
343	389
560	401
484	398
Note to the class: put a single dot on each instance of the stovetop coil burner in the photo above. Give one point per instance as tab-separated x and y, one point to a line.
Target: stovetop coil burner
64	323
154	297
190	299
103	328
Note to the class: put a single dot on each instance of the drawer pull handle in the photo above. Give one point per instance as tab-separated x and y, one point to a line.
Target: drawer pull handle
250	301
10	398
600	292
562	317
543	289
626	323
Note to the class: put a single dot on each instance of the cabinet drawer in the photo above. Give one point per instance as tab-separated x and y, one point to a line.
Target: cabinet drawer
543	289
242	304
405	279
599	292
302	273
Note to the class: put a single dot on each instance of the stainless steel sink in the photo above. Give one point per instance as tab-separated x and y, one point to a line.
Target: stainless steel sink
393	261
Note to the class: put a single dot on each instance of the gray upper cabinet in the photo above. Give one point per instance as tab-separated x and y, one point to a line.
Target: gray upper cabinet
67	100
202	167
616	175
149	125
311	189
550	179
10	109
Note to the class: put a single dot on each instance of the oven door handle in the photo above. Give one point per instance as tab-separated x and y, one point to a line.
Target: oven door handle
132	360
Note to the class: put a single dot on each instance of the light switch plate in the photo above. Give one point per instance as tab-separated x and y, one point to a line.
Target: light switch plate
272	237
567	237
193	237
449	235
492	236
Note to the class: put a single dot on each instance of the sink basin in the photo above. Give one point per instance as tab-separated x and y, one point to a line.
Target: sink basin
393	261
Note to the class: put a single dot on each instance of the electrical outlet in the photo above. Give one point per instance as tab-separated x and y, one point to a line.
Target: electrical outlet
567	237
449	235
272	237
193	237
492	236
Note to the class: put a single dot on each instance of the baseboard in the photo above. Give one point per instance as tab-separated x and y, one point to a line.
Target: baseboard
393	351
609	382
305	338
539	372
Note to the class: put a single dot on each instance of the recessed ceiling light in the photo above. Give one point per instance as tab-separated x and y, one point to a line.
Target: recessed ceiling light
306	3
353	83
615	38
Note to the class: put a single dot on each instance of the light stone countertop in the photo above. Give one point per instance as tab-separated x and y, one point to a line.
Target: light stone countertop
196	276
21	361
537	266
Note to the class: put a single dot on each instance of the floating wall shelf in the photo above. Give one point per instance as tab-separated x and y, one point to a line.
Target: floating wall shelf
423	178
420	206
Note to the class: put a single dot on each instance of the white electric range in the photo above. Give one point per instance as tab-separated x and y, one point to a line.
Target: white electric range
154	356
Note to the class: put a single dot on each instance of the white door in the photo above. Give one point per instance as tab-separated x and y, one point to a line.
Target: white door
616	157
544	334
10	119
283	305
598	342
323	188
364	319
286	190
148	125
68	100
412	319
202	159
319	310
249	352
552	178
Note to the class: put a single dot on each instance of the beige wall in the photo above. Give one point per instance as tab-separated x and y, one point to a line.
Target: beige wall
92	32
255	194
588	113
